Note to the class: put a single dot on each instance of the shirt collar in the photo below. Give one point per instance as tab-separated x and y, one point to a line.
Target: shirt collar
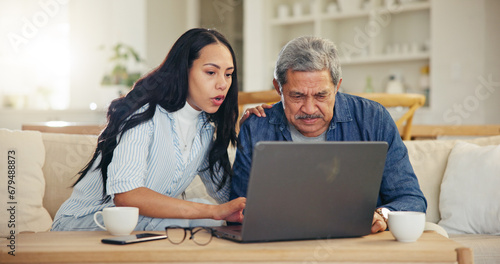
342	111
203	118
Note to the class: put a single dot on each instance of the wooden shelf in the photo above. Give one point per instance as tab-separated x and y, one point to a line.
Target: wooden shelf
65	127
381	10
407	8
339	16
356	14
366	34
292	20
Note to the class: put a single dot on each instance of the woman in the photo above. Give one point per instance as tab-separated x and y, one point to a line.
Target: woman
176	123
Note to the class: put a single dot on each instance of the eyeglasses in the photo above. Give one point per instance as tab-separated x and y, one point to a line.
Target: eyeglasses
200	235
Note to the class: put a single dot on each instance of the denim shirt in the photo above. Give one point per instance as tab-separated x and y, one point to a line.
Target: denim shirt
354	119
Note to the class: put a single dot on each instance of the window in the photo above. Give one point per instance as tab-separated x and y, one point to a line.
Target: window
35	54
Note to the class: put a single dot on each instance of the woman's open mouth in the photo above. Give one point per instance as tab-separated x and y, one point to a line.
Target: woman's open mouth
218	100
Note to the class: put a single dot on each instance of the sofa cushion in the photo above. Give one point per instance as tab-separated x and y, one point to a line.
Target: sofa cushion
23	186
429	159
65	156
469	191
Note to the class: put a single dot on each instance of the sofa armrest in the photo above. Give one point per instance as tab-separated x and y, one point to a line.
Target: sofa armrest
429	226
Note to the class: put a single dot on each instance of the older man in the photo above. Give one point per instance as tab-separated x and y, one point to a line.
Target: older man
308	77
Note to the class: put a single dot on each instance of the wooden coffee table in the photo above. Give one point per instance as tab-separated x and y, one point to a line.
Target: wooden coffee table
85	247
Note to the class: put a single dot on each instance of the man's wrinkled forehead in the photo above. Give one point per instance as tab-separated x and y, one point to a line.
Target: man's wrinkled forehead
299	70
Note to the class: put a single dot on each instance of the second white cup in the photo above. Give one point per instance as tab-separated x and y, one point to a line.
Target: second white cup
406	226
119	221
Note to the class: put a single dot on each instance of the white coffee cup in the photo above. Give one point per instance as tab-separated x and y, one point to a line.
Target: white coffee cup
406	226
119	221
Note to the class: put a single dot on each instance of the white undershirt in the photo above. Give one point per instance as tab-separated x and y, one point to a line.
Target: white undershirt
299	137
186	123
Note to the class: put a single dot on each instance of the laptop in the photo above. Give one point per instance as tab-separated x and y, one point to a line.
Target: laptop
300	191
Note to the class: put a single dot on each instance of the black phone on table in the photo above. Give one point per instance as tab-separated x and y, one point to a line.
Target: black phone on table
123	240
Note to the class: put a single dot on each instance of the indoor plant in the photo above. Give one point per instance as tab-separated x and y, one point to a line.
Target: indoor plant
123	57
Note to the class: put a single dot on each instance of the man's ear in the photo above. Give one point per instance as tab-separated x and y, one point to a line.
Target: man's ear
276	86
338	86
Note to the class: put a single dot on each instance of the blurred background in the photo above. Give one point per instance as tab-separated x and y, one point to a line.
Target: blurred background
66	60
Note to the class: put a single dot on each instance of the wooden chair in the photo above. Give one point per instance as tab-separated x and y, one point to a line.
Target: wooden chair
404	123
260	97
435	131
410	101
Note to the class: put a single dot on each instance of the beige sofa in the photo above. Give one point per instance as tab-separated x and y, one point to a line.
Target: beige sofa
46	165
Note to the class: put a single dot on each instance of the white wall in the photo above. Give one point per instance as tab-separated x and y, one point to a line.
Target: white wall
465	57
166	21
491	60
255	51
96	23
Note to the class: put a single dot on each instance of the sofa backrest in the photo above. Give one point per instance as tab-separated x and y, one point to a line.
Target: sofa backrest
65	156
429	159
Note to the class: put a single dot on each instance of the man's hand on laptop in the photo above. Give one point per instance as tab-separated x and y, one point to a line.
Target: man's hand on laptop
231	211
378	224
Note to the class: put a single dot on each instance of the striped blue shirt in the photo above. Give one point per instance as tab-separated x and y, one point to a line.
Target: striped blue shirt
148	155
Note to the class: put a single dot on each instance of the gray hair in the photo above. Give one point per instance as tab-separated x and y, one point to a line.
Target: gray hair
308	54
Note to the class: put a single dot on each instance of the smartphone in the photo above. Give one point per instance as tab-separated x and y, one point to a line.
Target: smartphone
123	240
